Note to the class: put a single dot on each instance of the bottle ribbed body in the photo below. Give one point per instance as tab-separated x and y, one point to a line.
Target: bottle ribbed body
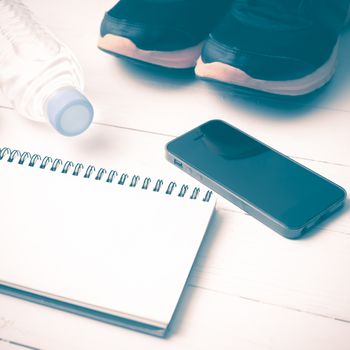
34	65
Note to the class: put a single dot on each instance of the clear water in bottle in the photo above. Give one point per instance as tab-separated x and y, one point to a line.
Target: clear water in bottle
40	75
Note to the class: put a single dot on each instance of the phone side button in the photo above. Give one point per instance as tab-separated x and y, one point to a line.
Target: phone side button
199	177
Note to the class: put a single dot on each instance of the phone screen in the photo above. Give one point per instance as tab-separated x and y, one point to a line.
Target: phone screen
256	173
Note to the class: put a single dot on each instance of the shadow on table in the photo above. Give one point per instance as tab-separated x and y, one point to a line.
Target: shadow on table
265	104
323	225
158	75
332	96
183	307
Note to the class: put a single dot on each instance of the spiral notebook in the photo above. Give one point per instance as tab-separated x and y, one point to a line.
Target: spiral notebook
112	246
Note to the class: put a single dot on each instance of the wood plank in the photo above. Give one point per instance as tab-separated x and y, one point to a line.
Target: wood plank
134	97
333	96
204	320
242	256
250	288
301	129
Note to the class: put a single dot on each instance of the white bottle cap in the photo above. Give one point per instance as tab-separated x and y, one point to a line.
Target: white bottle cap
69	111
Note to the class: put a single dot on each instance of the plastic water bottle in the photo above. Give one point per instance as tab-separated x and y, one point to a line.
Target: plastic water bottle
40	76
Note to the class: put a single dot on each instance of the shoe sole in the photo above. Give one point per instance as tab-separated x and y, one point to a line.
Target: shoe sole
228	74
179	59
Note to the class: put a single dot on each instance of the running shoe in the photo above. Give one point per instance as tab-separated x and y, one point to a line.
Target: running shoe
286	47
167	33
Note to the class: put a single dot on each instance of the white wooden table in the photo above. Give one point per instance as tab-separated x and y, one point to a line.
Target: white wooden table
250	288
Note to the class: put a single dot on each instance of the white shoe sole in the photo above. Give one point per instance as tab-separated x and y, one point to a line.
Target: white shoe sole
180	59
227	74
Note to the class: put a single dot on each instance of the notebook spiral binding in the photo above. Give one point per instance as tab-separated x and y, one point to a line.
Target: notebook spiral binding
68	167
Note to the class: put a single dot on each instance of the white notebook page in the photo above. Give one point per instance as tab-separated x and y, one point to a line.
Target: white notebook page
110	247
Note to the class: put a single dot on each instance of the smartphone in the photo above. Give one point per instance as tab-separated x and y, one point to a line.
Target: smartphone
276	190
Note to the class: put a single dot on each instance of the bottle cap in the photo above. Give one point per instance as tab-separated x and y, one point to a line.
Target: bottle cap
69	111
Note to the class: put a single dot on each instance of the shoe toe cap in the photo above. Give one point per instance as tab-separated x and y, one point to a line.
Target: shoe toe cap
256	64
148	36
